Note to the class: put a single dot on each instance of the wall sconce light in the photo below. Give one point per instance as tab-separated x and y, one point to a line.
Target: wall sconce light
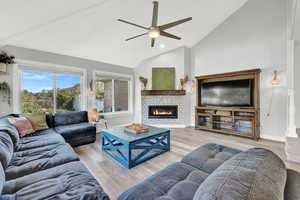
275	80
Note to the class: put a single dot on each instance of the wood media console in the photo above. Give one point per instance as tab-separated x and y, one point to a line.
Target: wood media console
235	120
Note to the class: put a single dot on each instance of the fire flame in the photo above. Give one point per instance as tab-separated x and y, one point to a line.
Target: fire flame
158	112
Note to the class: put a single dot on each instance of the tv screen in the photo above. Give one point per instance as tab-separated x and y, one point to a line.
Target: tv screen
227	93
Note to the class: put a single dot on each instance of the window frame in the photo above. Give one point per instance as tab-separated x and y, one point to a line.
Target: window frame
128	78
44	67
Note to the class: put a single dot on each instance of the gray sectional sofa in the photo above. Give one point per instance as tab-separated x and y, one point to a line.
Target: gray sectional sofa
216	172
42	166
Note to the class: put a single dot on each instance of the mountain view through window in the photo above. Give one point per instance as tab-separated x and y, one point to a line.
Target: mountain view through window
48	92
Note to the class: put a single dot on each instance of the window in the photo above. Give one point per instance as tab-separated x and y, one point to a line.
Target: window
50	92
112	95
67	93
121	95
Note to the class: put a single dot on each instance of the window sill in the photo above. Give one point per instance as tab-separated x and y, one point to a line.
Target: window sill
117	114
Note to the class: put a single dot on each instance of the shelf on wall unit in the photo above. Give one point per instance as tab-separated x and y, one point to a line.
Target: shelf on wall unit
163	92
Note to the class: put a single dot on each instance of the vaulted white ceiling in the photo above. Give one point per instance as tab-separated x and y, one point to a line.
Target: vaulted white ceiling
89	28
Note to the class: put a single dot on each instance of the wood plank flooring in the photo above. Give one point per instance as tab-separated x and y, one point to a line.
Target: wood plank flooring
115	179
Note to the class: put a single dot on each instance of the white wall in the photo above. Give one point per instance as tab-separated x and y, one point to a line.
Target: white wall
297	83
57	59
253	37
178	58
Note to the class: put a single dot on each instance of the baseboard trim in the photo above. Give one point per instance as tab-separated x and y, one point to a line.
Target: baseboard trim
273	138
292	157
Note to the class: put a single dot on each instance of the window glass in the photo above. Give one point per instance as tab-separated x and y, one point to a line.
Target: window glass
104	95
121	95
112	95
37	92
67	93
49	92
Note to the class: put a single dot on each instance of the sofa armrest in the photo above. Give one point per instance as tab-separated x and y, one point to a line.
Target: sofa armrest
292	187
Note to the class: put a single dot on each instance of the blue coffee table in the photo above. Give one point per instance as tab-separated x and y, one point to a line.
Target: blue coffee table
130	149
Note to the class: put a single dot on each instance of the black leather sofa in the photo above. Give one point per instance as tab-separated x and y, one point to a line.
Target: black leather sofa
73	126
43	166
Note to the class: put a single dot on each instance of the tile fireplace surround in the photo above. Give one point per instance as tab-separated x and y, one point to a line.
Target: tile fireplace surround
164	100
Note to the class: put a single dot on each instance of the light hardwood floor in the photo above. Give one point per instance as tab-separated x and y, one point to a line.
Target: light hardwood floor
115	179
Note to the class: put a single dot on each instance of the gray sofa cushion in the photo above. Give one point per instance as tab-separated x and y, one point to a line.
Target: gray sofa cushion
71	181
43	132
6	149
38	141
40	158
256	174
209	157
176	182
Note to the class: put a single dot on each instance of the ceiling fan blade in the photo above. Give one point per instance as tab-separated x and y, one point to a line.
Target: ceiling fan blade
121	20
155	14
136	36
152	42
170	25
169	35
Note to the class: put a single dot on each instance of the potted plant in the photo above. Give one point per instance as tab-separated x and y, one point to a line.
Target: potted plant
5	91
144	81
5	59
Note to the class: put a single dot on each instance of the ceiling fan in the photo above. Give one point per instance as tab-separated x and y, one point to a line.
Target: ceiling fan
154	31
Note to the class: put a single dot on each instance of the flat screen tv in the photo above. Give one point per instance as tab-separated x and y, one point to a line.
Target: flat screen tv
235	93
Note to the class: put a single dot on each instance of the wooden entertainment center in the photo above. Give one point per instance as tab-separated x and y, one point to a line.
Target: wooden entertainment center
236	120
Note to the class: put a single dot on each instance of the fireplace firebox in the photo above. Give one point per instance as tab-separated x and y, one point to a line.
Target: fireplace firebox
163	112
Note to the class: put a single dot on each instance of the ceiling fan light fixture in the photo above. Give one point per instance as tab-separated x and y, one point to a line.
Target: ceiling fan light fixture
154	33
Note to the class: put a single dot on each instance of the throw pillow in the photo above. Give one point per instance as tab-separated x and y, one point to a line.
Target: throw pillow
23	125
38	121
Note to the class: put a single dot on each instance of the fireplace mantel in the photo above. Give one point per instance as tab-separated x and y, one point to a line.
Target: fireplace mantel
163	92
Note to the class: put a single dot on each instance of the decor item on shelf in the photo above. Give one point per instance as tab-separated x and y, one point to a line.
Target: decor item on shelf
91	89
163	78
5	59
275	80
94	114
183	81
5	92
144	81
154	31
223	113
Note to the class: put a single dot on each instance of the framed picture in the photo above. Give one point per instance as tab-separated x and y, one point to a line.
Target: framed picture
163	78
